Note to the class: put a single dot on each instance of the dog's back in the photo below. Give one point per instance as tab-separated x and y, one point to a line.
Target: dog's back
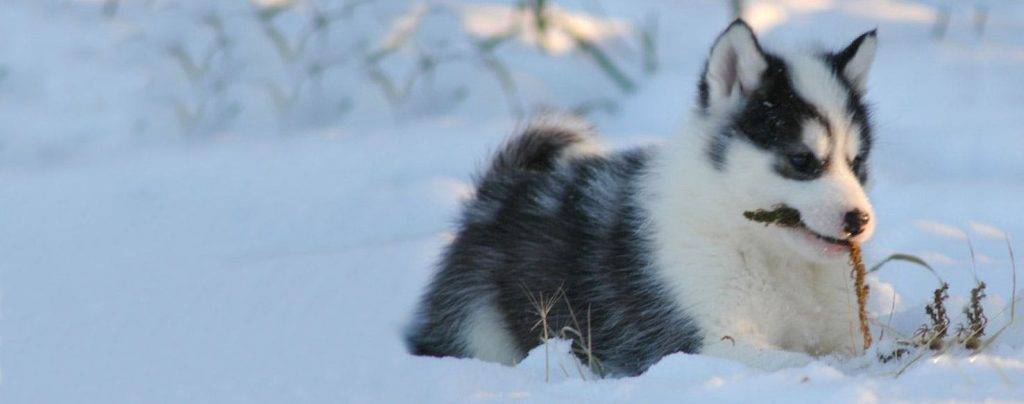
557	231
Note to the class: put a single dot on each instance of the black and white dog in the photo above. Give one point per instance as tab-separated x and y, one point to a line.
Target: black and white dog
648	250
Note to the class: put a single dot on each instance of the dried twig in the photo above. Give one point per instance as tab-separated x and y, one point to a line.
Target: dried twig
542	307
780	216
859	274
583	346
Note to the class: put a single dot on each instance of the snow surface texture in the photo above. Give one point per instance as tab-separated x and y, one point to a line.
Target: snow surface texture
246	229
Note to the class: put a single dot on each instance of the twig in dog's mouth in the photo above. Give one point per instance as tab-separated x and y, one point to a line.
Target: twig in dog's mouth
784	216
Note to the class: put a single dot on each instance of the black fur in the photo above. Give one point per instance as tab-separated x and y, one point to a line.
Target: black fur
570	229
536	149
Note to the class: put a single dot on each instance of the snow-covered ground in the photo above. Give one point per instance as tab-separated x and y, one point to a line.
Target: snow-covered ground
254	232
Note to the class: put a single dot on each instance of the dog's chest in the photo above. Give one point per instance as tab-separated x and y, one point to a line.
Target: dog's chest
789	304
806	307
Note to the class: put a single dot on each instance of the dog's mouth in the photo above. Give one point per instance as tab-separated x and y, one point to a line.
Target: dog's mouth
787	217
801	227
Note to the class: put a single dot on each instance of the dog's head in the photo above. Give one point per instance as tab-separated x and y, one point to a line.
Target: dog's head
793	131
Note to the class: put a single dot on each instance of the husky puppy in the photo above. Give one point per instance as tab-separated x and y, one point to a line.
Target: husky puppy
646	252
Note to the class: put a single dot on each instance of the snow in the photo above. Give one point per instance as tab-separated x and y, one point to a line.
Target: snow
273	254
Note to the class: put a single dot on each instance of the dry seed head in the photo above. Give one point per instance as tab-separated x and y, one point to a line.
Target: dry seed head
975	313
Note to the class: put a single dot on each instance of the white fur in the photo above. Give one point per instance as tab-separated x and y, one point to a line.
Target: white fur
853	142
487	338
816	83
761	295
816	138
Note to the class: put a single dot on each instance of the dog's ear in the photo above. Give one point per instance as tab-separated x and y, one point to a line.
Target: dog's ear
854	62
734	67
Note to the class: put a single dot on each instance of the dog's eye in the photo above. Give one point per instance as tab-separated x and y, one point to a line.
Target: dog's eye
804	162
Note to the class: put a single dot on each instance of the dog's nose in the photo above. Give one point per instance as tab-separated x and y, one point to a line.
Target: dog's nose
855	220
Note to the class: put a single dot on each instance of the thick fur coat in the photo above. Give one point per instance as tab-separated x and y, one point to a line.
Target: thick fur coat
644	253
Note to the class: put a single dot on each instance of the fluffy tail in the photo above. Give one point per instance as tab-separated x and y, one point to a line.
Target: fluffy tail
542	144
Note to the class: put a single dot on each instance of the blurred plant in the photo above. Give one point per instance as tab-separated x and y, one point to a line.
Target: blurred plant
305	64
606	64
209	74
544	22
501	72
941	24
397	88
110	8
540	14
319	49
979	18
429	59
649	44
403	31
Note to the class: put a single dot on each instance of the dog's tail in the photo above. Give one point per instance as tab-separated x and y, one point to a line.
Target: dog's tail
542	144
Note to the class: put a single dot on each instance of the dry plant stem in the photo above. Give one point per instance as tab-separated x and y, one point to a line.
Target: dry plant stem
543	308
583	345
892	310
859	274
577	336
1013	280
